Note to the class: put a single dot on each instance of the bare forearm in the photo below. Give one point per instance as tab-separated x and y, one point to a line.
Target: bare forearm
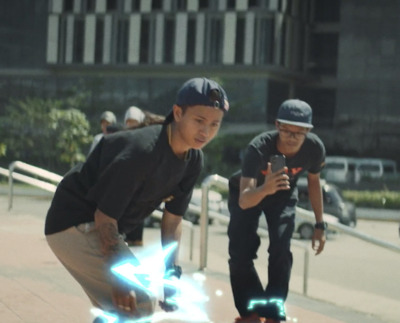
108	233
252	197
171	231
315	195
251	194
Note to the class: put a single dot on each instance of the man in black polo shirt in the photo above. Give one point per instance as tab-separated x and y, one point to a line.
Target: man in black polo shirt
124	179
257	189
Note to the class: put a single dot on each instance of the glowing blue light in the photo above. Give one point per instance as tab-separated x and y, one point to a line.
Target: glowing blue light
255	302
111	318
277	301
149	276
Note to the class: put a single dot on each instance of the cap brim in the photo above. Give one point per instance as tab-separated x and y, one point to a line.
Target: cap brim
294	123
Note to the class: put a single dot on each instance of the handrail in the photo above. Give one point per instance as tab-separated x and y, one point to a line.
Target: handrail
215	180
158	215
32	181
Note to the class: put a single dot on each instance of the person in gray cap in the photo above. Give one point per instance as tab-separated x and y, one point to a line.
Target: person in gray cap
262	186
107	119
126	177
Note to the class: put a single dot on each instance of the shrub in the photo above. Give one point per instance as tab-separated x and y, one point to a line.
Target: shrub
222	156
374	199
51	134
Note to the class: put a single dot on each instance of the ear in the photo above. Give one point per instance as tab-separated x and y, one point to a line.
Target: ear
276	125
177	111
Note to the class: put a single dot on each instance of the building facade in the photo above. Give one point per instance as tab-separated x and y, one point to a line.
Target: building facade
126	52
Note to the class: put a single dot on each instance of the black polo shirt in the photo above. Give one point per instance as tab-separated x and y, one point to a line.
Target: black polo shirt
127	176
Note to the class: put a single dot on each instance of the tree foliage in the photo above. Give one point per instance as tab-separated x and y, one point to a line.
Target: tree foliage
51	134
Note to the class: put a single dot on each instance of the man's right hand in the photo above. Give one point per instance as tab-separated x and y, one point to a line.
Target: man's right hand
124	299
276	181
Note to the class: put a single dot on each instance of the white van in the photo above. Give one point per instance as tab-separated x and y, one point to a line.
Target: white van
339	169
375	168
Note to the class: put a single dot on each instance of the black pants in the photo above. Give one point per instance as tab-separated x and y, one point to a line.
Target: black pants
244	243
136	234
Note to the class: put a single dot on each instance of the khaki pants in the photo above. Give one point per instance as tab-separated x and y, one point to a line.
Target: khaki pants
78	249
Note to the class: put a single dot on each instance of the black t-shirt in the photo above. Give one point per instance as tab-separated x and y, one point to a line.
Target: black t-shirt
310	158
127	176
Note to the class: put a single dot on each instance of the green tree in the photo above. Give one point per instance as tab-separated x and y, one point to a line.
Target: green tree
46	133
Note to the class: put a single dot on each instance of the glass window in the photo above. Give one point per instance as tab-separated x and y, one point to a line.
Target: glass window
324	101
258	4
191	41
369	168
264	47
324	53
327	10
62	40
283	44
169	40
122	41
112	5
231	4
99	40
239	46
135	5
156	5
203	4
90	5
214	48
79	31
180	5
389	169
68	5
145	41
333	165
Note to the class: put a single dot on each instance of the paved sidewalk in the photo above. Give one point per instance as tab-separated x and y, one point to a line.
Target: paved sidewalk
34	287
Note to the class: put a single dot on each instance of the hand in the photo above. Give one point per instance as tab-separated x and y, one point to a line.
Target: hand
276	181
319	235
124	299
171	289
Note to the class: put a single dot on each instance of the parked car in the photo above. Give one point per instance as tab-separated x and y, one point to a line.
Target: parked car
334	202
215	203
339	169
375	168
304	226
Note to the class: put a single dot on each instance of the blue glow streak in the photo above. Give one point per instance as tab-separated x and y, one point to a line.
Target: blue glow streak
277	301
149	276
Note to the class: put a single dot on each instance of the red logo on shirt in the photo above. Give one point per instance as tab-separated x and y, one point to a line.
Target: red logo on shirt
295	171
291	171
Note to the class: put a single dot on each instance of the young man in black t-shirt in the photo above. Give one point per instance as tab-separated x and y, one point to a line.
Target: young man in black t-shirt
257	189
124	179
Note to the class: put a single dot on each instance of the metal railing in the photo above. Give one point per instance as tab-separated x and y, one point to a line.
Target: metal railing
205	213
216	180
52	177
158	215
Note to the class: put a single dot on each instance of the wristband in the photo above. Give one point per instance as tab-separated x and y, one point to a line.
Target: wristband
321	226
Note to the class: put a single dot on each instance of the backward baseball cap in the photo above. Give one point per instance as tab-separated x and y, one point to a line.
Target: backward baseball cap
295	112
201	91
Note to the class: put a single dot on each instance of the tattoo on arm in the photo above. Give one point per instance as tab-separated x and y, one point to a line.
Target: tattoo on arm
109	238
